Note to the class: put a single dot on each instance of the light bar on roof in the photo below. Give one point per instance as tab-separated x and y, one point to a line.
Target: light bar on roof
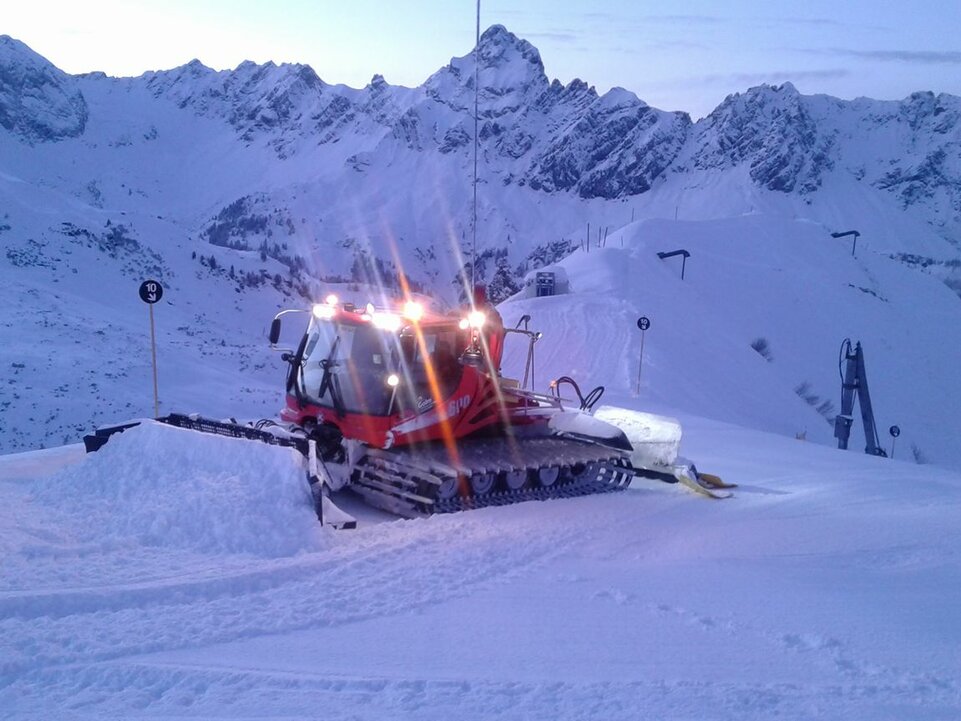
413	310
322	311
386	321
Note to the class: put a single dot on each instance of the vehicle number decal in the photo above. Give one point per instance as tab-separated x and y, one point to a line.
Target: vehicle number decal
457	405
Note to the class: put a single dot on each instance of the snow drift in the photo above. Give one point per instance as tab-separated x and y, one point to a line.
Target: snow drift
158	486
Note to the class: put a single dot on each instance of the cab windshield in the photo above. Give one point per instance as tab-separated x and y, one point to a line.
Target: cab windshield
346	366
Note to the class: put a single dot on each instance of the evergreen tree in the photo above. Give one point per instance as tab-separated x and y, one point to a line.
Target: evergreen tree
503	285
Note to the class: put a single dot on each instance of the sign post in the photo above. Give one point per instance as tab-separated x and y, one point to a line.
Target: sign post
150	292
643	323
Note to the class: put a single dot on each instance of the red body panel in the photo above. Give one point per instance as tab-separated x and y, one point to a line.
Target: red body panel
478	403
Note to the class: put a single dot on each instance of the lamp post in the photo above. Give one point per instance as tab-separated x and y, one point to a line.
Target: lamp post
684	255
855	233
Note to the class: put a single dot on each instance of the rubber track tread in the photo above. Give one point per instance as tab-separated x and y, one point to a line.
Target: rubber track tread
394	473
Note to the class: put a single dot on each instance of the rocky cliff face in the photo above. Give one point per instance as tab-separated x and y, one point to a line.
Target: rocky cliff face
771	130
38	102
930	134
556	137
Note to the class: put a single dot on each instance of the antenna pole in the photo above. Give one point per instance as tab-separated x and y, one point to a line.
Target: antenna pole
473	254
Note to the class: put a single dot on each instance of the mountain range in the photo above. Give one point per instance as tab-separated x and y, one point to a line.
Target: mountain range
253	189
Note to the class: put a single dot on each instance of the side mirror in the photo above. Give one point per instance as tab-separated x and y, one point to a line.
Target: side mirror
274	331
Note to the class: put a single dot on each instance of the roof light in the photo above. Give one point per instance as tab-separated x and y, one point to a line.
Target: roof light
386	321
393	380
463	324
331	299
476	319
324	312
413	310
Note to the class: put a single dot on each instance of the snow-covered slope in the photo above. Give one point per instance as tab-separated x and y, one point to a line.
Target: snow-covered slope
249	190
152	580
752	333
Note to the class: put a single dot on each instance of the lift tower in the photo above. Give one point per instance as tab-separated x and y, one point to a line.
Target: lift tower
854	383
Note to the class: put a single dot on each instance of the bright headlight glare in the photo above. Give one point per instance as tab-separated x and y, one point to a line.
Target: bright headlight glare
393	380
413	310
476	319
324	312
386	321
463	324
331	299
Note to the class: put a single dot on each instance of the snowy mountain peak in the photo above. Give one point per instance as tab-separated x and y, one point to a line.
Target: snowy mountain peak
761	100
196	67
13	51
38	102
498	46
939	112
770	129
617	98
255	99
511	75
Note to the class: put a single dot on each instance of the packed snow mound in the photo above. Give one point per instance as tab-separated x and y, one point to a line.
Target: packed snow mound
656	439
158	486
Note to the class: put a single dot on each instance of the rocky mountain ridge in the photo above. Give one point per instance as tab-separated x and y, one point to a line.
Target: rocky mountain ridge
38	102
533	131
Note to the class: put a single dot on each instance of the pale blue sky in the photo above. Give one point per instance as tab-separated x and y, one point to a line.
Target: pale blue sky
684	55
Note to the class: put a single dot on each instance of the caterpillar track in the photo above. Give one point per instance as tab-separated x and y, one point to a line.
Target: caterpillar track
422	480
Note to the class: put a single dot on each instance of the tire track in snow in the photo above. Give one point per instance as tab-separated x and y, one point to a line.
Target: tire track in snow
384	570
857	676
145	690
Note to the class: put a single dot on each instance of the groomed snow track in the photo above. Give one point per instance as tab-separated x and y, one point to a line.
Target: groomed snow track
423	480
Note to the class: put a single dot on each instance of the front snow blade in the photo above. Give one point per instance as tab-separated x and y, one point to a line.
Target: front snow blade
96	440
317	476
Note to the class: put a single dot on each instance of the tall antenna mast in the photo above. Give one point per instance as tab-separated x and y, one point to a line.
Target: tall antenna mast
473	252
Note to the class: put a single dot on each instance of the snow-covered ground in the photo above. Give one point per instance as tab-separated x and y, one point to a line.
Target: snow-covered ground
179	575
158	579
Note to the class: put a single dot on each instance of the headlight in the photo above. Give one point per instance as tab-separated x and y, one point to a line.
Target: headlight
393	380
476	319
386	321
324	312
413	310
